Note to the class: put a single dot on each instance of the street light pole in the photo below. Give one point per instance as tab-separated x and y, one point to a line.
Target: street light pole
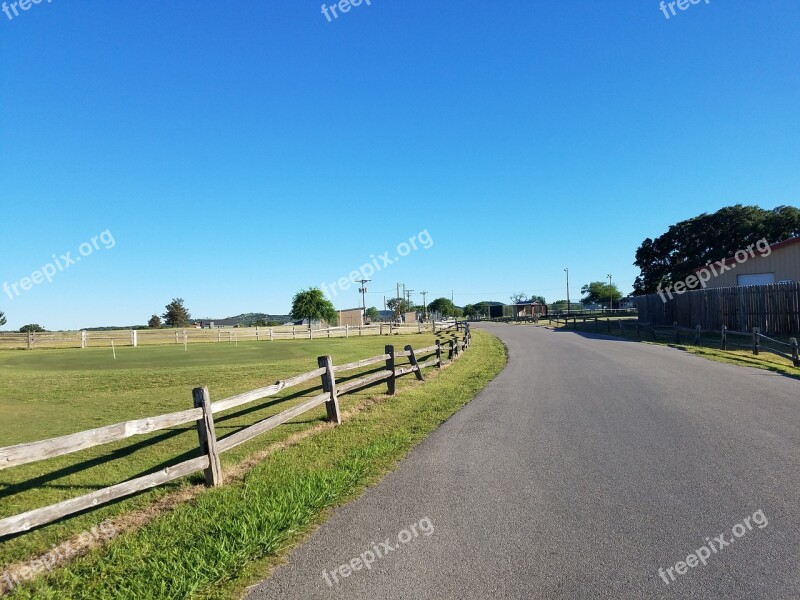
610	294
568	304
424	305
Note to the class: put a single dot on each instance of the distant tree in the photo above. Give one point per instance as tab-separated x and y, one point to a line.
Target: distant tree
312	304
470	310
398	306
273	324
176	315
2	319
599	292
518	297
692	243
372	314
539	299
32	328
154	322
443	306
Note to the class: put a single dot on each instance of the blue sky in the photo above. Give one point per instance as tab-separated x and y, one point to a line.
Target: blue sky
238	152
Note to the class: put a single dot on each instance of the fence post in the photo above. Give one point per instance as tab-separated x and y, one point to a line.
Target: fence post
30	340
329	386
439	354
207	436
83	339
347	331
390	382
677	333
756	341
451	352
697	336
257	338
310	332
412	358
176	337
133	338
724	341
219	335
795	353
329	330
293	334
270	335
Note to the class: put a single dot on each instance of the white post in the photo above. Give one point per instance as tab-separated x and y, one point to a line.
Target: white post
219	335
134	338
292	331
257	338
270	334
83	339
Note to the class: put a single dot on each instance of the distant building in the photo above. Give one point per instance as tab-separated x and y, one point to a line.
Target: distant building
778	264
217	323
528	309
354	317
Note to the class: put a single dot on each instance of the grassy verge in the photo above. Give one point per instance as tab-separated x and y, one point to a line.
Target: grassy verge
219	541
765	360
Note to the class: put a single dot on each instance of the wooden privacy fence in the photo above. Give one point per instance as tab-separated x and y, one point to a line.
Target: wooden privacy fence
203	415
191	335
774	309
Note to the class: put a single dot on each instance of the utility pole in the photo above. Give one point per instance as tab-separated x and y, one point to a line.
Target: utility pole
424	305
408	297
398	291
363	290
610	293
568	304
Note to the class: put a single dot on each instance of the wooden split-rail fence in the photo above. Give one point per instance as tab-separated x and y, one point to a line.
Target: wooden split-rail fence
203	414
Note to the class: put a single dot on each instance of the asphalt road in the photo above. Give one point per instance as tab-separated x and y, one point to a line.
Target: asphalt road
584	467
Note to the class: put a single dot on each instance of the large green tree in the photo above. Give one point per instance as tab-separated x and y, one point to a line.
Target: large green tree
599	292
32	328
398	306
312	304
176	315
692	243
444	306
372	314
154	322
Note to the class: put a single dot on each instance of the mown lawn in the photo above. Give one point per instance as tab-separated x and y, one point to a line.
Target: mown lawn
48	393
213	544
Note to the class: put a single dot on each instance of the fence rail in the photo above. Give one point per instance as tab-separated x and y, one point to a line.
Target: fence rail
203	415
141	337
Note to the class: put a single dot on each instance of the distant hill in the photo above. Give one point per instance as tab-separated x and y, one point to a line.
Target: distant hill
249	319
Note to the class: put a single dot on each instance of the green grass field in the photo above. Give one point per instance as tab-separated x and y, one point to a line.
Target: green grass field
54	392
49	393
